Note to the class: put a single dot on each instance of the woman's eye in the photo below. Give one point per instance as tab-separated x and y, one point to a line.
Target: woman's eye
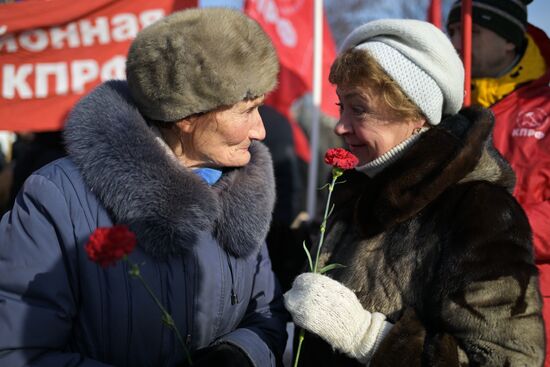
358	110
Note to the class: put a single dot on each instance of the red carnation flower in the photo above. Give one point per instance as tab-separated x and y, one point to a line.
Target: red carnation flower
109	244
341	158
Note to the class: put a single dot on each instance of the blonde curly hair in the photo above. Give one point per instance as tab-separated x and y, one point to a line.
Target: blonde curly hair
357	68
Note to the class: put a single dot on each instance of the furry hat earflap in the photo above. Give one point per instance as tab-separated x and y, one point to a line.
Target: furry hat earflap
418	57
196	60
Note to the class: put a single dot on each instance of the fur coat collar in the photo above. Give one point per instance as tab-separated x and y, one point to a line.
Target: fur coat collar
458	150
164	203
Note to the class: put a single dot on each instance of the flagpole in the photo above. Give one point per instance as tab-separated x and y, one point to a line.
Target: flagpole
466	17
435	13
316	110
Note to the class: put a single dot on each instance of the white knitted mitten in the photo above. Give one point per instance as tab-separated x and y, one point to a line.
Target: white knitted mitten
327	308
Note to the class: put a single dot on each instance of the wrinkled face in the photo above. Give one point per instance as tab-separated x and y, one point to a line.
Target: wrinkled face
221	138
491	54
368	125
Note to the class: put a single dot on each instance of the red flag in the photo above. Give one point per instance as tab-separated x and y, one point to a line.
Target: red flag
53	52
290	26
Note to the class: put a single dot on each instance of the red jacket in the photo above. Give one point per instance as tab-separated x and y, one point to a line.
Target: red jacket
522	135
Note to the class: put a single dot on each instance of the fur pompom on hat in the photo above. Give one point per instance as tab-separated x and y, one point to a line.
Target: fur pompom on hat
199	59
418	57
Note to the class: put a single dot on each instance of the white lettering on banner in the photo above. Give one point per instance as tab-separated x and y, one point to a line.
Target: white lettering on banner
125	27
80	73
34	40
287	33
99	30
59	71
114	69
16	81
149	17
285	28
70	33
121	27
271	12
10	42
291	7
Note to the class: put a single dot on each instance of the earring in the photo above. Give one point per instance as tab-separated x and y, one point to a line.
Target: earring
416	130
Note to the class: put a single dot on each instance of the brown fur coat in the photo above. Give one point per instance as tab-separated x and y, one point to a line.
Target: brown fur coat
437	243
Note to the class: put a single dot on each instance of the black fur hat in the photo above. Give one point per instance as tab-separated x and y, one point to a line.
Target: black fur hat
196	60
507	18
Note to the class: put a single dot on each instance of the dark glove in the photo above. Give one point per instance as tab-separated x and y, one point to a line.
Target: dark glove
221	355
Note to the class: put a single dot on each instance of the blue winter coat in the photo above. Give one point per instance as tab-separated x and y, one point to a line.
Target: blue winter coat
197	246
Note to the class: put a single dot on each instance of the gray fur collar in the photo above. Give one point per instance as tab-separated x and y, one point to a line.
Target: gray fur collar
164	203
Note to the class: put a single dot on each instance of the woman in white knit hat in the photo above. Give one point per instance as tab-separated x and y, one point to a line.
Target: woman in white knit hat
438	257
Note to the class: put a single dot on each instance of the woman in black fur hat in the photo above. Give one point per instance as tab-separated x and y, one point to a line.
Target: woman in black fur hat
174	154
438	258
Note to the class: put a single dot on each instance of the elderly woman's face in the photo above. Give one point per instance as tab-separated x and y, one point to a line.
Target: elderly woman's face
222	138
367	124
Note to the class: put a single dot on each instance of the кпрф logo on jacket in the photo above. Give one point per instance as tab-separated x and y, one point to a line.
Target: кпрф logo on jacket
530	124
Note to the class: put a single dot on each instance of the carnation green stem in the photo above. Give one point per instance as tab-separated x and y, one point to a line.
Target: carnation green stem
166	316
336	172
300	341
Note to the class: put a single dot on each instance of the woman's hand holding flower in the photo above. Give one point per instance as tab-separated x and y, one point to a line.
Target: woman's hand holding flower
327	308
340	160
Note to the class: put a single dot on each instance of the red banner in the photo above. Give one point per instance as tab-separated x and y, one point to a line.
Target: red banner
53	52
290	25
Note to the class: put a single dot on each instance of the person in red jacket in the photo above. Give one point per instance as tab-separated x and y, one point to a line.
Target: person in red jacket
511	75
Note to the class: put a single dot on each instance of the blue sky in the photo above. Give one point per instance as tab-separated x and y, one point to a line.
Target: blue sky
539	14
539	10
229	3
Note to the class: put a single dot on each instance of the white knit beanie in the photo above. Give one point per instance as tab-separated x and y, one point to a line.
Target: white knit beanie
418	57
